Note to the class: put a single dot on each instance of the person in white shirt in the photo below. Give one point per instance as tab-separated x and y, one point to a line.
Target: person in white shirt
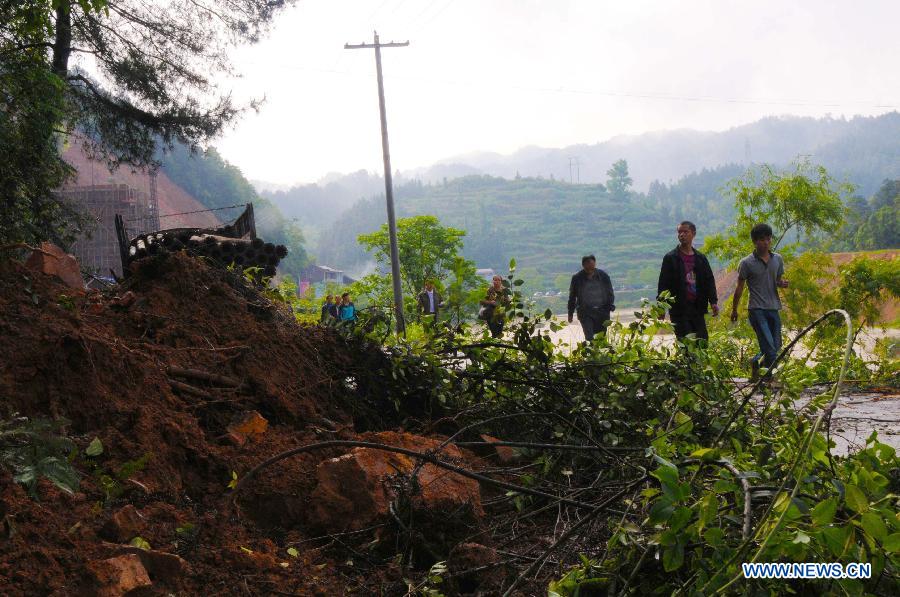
429	300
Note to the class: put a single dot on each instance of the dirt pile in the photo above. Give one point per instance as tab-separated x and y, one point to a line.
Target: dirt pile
182	377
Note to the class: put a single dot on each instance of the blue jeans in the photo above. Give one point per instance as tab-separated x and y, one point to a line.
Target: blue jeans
767	325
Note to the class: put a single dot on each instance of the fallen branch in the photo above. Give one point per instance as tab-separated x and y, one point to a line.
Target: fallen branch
189	389
568	535
213	378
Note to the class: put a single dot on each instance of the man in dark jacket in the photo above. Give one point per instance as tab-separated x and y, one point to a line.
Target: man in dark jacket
429	300
686	274
591	294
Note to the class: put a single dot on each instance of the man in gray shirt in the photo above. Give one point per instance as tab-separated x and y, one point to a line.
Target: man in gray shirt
591	294
762	271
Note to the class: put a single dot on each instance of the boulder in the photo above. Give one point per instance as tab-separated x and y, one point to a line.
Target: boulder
119	575
164	567
475	567
124	525
53	261
355	490
246	426
504	454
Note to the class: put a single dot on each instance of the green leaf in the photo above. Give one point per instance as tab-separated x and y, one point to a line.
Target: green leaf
856	499
95	448
661	511
673	557
292	551
873	524
836	538
683	424
824	511
714	536
140	542
892	543
680	518
706	454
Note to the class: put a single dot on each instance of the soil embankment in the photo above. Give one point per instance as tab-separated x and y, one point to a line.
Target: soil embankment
185	375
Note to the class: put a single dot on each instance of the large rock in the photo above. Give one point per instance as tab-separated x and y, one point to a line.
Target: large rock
53	261
475	567
162	566
118	576
504	454
356	489
246	426
124	525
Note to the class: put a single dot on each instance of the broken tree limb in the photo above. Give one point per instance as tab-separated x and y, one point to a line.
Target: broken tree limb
213	378
189	389
568	534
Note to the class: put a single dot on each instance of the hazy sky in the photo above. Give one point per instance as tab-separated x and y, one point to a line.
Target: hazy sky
497	75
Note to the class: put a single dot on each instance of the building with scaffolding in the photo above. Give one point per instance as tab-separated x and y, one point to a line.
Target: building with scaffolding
97	250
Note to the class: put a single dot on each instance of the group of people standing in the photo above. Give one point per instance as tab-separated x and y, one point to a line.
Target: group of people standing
429	303
344	310
686	275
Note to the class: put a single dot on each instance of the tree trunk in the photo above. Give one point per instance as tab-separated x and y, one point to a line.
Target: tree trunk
62	45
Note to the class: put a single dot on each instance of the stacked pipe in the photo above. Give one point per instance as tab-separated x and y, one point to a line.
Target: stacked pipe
242	252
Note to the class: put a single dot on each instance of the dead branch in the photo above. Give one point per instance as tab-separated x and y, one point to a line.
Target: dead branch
213	378
182	387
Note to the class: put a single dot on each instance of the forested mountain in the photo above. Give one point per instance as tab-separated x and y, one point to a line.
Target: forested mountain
548	225
864	149
316	206
679	170
545	225
217	184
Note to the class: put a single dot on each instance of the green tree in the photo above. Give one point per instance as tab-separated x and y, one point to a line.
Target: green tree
427	250
619	183
806	199
151	80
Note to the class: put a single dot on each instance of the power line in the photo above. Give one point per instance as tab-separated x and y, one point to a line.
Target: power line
614	93
199	211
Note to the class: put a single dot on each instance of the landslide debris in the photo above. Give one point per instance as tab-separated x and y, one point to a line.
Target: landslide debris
181	377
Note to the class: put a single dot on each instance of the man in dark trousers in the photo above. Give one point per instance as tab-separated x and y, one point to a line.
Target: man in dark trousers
762	271
591	294
429	300
686	274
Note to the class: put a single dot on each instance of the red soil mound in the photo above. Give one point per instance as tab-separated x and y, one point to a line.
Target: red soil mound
130	371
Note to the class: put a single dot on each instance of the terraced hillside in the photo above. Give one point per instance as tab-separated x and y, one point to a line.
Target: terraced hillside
545	225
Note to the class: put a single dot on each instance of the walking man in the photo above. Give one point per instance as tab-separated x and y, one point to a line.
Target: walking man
686	274
591	294
762	272
429	300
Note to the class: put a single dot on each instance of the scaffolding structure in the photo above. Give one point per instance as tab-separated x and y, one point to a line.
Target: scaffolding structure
98	250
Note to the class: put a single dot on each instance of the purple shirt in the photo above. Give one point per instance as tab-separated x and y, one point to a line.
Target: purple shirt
690	278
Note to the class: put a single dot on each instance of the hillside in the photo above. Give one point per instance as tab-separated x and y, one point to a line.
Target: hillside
865	150
172	198
545	225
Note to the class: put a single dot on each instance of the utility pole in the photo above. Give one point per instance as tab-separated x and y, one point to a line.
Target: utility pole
577	163
388	183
